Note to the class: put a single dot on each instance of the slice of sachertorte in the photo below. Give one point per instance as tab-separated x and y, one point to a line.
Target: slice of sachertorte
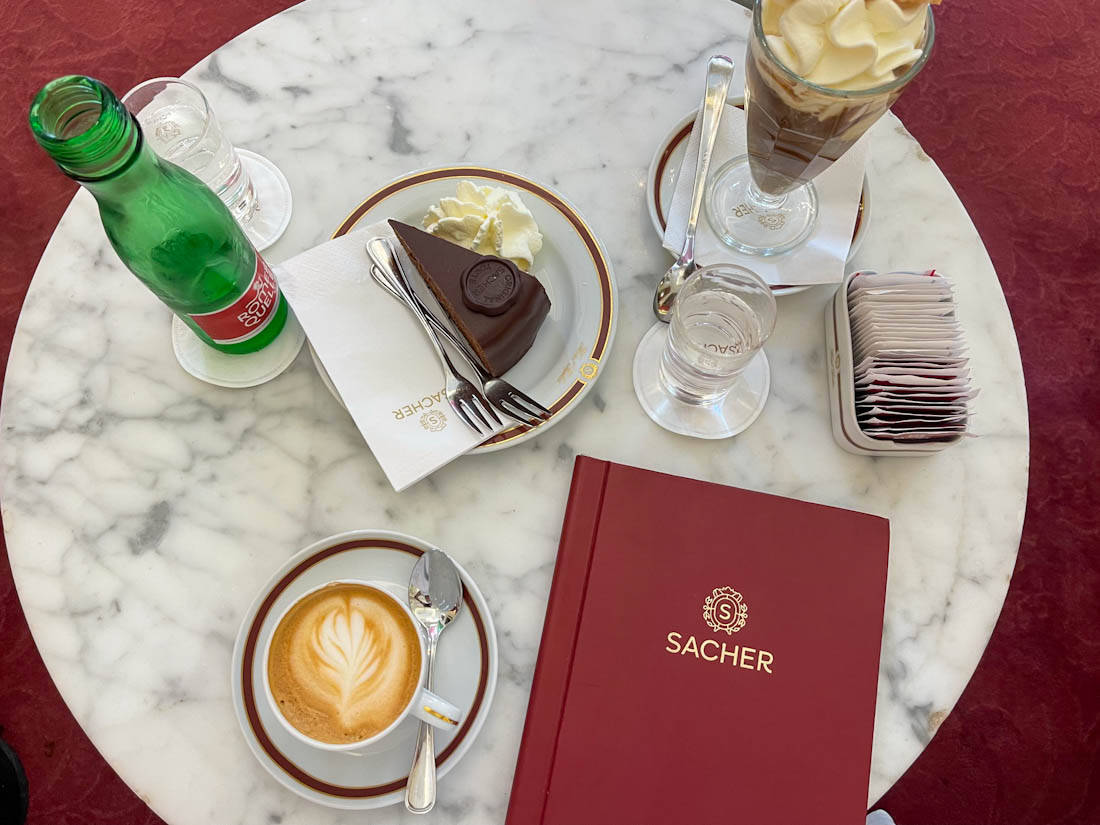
496	306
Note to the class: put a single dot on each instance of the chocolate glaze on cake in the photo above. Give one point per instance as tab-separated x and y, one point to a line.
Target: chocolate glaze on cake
496	306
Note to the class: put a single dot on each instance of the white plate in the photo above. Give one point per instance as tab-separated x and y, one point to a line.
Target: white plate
571	345
664	169
466	674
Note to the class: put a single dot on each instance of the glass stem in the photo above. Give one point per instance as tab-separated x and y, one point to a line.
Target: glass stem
761	201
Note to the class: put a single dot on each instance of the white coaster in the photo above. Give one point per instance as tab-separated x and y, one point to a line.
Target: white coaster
273	200
237	371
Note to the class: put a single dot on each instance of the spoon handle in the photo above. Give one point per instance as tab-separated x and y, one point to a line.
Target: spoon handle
420	789
719	75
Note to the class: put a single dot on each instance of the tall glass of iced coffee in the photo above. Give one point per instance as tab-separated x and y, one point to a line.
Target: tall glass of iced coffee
818	73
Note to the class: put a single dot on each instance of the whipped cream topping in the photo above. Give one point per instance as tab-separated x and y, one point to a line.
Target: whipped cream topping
489	220
845	44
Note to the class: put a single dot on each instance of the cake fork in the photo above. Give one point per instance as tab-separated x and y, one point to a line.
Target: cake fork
507	398
465	399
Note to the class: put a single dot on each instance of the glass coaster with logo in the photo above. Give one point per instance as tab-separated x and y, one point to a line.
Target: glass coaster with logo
705	374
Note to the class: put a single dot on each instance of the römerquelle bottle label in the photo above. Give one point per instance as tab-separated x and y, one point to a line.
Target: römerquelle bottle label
247	316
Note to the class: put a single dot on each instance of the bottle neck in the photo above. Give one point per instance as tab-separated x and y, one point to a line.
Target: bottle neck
142	168
87	131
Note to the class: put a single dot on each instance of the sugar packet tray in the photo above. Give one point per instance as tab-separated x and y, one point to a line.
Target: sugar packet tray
907	391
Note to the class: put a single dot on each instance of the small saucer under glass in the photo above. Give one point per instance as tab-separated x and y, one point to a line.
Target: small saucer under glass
274	204
237	371
752	222
730	415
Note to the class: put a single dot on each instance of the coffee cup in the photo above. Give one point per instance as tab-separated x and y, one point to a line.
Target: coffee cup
345	665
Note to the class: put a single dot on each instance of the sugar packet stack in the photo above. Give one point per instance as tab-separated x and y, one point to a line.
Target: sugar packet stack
912	380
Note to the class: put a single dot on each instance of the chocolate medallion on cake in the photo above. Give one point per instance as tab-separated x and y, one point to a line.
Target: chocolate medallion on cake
491	286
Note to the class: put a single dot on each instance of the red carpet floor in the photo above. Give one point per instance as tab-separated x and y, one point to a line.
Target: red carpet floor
1009	108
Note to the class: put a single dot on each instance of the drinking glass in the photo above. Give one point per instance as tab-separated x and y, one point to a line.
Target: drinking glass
180	126
764	203
705	374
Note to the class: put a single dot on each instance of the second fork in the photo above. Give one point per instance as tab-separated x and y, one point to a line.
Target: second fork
465	399
507	398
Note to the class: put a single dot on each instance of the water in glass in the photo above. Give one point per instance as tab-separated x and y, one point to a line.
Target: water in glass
713	335
181	128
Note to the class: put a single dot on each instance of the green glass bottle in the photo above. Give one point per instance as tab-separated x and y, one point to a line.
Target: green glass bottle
166	225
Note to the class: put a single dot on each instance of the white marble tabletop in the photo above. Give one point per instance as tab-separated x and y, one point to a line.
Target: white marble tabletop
144	510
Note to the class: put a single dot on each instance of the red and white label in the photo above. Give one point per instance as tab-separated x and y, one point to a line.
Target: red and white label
247	316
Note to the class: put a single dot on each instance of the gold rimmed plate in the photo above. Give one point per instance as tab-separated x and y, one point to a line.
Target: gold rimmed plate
573	342
466	674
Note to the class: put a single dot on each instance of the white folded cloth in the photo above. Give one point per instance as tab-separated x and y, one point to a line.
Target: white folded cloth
377	355
821	259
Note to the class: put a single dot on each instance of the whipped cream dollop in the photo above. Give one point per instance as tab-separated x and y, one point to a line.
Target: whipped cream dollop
845	44
489	220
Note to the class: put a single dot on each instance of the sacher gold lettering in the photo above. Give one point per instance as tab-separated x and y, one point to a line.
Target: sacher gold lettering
427	402
742	656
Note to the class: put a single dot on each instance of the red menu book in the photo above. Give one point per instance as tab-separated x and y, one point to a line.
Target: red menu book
710	655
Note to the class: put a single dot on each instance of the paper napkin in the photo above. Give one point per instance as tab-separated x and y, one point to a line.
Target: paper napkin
377	355
821	259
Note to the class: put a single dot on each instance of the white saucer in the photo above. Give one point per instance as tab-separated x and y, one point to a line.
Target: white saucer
466	674
740	407
274	203
664	169
237	371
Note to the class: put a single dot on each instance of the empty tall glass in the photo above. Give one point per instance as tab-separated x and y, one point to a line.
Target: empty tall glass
705	373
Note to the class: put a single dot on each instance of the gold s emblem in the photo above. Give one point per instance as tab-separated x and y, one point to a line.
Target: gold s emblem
772	220
724	609
588	370
433	421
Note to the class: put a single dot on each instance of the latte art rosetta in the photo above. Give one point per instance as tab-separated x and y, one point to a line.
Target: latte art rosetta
344	663
347	655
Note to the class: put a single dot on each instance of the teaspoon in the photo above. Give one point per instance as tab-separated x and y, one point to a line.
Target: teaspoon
435	596
719	75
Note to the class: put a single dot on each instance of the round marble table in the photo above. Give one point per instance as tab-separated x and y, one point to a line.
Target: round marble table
143	509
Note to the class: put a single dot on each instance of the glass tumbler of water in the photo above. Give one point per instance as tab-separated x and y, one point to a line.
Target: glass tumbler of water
180	126
705	374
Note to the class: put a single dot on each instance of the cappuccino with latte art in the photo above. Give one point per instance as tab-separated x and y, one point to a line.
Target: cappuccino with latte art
344	663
